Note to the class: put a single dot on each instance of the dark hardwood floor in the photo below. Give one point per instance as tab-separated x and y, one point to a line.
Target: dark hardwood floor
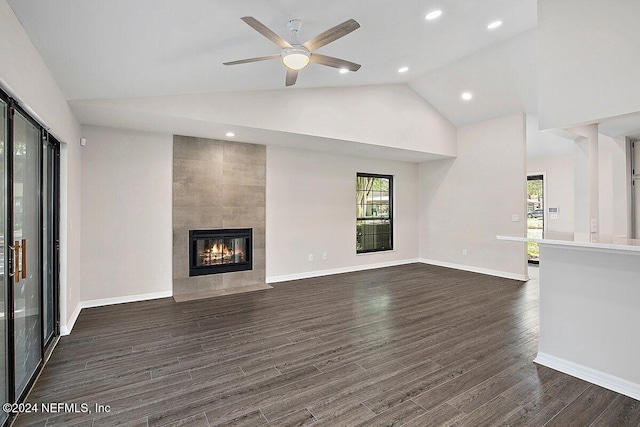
413	345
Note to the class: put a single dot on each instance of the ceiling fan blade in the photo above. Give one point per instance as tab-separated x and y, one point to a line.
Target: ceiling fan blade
292	76
245	61
262	29
332	34
330	61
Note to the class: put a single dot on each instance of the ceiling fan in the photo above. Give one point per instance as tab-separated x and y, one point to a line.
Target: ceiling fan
295	55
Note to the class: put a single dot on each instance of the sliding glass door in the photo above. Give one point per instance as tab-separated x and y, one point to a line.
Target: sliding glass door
50	156
4	282
29	193
27	323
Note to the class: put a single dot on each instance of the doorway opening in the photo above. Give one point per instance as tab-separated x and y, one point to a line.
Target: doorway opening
535	215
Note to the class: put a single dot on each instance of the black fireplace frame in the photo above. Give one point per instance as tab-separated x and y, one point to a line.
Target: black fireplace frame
230	233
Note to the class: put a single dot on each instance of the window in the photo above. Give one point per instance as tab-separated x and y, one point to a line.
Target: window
374	217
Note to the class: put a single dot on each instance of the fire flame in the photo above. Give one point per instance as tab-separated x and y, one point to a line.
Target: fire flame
221	253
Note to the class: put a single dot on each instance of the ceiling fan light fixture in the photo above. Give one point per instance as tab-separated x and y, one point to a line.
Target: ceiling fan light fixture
296	58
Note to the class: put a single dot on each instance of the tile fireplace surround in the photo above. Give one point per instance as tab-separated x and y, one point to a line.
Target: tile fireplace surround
217	184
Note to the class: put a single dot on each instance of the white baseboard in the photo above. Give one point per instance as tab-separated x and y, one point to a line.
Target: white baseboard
128	298
610	382
320	273
497	273
66	329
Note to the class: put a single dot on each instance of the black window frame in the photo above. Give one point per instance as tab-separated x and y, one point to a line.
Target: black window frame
390	216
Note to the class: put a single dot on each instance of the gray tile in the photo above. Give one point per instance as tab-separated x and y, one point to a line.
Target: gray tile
190	285
258	238
180	266
241	278
217	184
185	147
253	217
258	258
181	285
209	283
197	217
243	195
243	174
234	152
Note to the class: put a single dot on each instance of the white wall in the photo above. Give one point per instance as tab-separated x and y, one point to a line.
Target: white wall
546	143
70	233
586	181
553	155
504	81
587	60
588	302
24	71
559	189
311	209
126	213
612	187
22	67
467	201
383	115
613	195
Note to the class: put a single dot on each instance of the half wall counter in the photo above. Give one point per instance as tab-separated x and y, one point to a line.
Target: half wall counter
590	308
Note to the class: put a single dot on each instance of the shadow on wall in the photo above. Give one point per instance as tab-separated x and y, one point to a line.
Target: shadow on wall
438	170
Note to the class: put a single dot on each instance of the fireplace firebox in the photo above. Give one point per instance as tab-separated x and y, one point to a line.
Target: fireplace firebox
220	251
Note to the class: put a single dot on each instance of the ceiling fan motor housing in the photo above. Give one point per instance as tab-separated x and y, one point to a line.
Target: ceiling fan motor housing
294	25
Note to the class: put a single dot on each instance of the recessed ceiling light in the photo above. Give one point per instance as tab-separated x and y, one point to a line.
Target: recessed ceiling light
344	70
493	25
230	134
433	15
466	96
403	69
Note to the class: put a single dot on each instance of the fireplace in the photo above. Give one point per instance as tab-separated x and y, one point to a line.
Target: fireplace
220	251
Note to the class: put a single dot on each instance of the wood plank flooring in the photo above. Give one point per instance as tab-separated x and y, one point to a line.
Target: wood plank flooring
413	345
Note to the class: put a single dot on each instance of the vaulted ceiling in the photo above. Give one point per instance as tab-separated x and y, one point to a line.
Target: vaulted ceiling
120	48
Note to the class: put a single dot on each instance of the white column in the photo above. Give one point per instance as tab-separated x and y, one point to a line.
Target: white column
586	179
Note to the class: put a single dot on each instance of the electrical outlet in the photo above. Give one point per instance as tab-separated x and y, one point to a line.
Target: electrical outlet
310	257
324	255
464	252
515	218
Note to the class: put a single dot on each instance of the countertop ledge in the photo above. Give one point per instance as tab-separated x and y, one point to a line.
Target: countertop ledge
584	240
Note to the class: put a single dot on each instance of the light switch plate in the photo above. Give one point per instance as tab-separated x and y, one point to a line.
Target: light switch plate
515	218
